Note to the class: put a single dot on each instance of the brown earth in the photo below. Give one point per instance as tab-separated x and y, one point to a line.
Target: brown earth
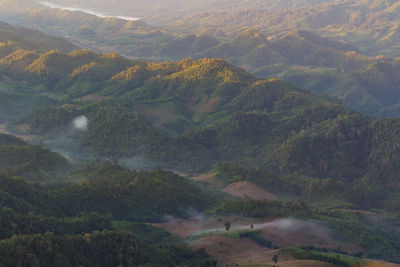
25	137
281	232
208	178
379	263
205	232
181	173
88	98
292	232
19	66
238	189
234	251
159	114
246	188
187	227
206	105
245	251
23	128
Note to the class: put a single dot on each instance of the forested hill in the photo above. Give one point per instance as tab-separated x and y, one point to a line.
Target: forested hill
18	158
324	65
17	37
369	25
96	222
187	115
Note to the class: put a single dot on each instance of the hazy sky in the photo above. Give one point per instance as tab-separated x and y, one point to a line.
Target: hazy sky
134	8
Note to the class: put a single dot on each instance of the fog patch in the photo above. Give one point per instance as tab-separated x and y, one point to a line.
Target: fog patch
282	226
167	217
80	123
136	163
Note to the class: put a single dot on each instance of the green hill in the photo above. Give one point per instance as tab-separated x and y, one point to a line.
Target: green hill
189	114
25	38
39	220
33	162
322	46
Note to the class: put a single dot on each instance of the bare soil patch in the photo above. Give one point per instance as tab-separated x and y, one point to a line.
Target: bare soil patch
379	263
245	251
234	251
187	227
246	188
206	105
292	232
158	114
25	137
23	128
281	232
208	178
19	66
88	98
204	231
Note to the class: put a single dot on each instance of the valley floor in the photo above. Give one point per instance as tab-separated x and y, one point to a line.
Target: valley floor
229	249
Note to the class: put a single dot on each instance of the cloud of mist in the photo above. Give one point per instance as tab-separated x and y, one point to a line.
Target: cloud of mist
282	226
88	11
80	123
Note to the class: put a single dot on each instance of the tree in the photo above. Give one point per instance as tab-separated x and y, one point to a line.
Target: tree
275	258
227	226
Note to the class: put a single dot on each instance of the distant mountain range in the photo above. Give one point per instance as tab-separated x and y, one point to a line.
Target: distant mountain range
372	26
324	65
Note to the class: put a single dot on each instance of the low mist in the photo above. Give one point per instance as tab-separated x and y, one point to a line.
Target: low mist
80	123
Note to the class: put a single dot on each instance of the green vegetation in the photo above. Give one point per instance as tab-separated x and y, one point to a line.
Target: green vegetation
257	237
129	195
187	115
335	52
263	209
191	116
55	223
109	189
105	248
375	235
23	38
33	162
334	258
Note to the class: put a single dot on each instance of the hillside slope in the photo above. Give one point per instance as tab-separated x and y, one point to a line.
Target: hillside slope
24	38
191	116
328	65
187	115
